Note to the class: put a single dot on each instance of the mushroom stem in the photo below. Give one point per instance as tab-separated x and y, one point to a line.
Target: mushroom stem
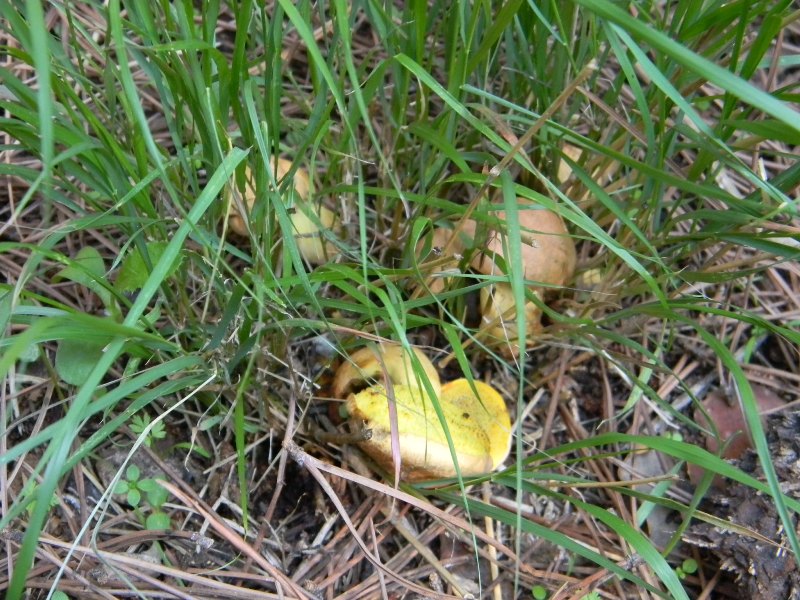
499	316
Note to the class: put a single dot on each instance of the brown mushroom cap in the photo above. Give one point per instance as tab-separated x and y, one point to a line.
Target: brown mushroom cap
441	238
548	257
548	252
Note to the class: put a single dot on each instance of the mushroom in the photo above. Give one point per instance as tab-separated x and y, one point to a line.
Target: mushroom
392	359
440	238
548	257
307	233
235	219
476	416
564	170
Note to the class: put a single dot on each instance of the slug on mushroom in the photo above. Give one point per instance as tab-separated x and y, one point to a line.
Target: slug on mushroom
476	415
307	233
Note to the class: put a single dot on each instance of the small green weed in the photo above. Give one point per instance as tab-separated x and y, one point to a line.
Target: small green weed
140	423
136	489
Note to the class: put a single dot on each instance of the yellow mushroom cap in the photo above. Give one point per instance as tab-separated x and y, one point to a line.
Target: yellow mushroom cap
479	426
487	409
235	218
564	170
301	183
308	235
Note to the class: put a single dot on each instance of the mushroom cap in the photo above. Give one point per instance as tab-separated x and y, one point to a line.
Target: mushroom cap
372	362
548	252
489	411
307	233
301	183
308	237
440	239
235	218
479	425
301	186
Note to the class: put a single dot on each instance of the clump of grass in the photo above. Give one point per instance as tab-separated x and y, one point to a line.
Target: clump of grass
123	126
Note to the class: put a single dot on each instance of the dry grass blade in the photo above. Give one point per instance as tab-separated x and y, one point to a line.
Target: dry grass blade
284	583
137	568
316	468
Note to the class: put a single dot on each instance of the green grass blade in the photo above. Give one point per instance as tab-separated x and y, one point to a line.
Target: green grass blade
704	68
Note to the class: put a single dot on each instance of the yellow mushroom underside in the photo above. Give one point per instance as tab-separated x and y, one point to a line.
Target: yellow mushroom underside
480	429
